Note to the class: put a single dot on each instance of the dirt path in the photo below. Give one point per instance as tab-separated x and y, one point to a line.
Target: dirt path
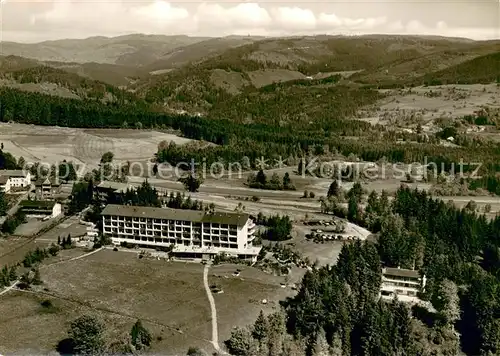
215	330
9	288
51	264
74	258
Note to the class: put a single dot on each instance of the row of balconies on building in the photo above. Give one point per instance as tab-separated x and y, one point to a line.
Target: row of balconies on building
155	231
165	241
186	235
402	280
170	228
401	284
169	222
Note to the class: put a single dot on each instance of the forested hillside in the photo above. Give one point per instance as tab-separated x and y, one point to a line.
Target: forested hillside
129	50
380	60
235	140
13	63
484	70
307	109
111	74
82	87
233	70
337	311
304	115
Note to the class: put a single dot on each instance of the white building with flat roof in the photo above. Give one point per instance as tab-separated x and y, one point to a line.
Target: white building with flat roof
403	283
40	208
191	233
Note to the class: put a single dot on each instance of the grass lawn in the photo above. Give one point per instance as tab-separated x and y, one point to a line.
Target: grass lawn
168	297
13	249
241	302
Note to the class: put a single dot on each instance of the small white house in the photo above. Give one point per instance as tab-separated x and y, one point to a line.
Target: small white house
17	178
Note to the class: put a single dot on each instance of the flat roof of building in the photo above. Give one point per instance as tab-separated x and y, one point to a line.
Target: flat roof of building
37	204
116	186
15	173
400	272
176	214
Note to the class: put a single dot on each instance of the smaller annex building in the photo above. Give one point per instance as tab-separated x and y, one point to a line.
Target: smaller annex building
403	283
46	188
40	208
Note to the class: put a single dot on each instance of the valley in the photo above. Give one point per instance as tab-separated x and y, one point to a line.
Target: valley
337	156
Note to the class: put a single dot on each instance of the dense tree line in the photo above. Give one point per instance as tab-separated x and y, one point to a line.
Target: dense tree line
334	313
337	308
180	201
87	335
7	161
81	86
278	228
483	69
489	182
4	206
36	256
235	140
8	275
144	195
260	181
293	105
12	222
82	196
451	243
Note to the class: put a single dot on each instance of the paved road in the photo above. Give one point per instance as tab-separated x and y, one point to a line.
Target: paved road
218	189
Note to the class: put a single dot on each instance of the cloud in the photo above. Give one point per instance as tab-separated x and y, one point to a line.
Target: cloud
441	28
75	18
107	17
161	11
240	17
294	18
332	21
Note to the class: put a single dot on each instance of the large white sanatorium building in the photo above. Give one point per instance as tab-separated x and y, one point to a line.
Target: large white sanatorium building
193	234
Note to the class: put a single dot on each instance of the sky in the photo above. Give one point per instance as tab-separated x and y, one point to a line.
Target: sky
39	20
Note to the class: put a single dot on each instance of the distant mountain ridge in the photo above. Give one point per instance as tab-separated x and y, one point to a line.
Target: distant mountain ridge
127	50
207	75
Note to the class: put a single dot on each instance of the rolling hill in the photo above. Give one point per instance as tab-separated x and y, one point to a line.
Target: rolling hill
53	81
484	69
129	50
236	78
112	74
200	85
197	51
